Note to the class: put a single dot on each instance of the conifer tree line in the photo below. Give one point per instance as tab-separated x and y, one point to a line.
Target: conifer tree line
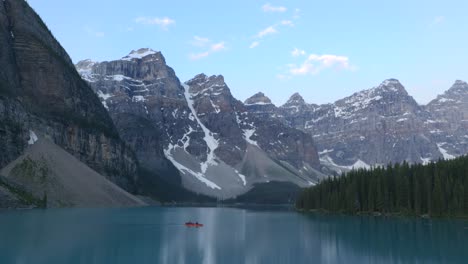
436	189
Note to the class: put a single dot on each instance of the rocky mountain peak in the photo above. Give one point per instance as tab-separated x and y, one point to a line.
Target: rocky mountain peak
202	78
213	85
456	94
85	64
391	86
295	99
258	99
85	67
145	54
459	87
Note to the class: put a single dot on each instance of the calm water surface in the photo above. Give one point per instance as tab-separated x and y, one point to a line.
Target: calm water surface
157	235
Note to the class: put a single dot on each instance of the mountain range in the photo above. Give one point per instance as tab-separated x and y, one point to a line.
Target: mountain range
98	133
209	141
222	147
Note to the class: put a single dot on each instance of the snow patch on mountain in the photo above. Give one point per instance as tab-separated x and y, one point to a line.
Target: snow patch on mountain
138	98
248	133
328	161
210	140
184	170
104	97
242	177
139	54
444	152
32	138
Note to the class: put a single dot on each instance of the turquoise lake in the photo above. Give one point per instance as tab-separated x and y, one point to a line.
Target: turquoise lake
230	235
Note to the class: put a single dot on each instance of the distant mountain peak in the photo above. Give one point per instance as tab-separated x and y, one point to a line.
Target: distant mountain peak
85	65
459	88
202	78
258	99
296	99
205	85
391	86
144	53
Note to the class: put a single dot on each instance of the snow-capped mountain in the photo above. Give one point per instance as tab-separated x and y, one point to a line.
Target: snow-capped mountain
449	120
197	129
382	125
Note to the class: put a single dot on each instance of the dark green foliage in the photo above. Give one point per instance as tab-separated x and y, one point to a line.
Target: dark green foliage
437	189
23	195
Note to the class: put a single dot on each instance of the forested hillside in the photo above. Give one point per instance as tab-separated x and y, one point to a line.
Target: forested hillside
437	189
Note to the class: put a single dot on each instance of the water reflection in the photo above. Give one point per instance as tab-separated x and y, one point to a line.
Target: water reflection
157	235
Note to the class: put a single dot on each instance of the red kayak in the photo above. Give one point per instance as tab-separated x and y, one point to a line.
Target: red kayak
190	224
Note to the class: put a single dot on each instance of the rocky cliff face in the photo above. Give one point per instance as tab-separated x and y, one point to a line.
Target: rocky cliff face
448	124
372	127
42	94
197	129
147	103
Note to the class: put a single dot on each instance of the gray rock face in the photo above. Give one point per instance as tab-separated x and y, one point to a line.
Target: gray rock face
40	91
260	105
382	125
147	103
45	169
258	99
217	147
448	124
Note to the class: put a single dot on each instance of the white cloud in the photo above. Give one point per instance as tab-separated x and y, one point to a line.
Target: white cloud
438	20
287	23
92	32
200	41
297	52
218	47
314	64
267	31
198	56
270	8
254	44
213	48
283	77
163	23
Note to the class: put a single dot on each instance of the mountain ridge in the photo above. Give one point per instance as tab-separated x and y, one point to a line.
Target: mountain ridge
207	133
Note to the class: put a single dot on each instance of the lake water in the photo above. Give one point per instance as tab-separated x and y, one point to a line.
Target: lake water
157	235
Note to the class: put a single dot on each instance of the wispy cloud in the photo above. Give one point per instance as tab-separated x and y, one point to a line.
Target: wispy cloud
200	41
314	64
298	52
254	44
283	77
198	56
297	13
270	8
205	42
163	22
267	31
93	32
438	20
287	23
275	28
218	46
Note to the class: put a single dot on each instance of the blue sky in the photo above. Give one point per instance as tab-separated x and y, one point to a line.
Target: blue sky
324	50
